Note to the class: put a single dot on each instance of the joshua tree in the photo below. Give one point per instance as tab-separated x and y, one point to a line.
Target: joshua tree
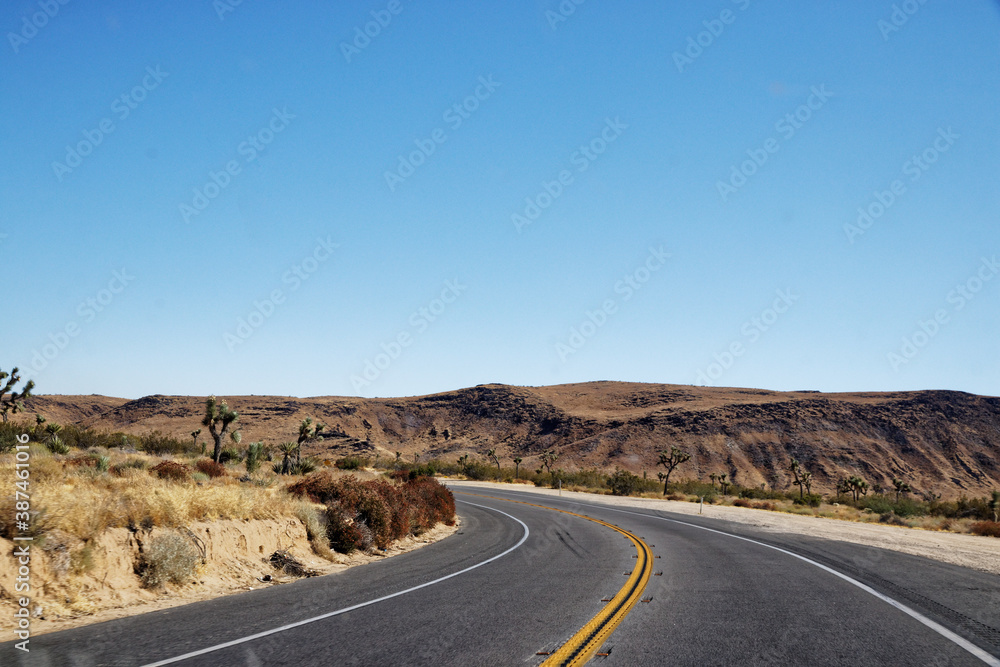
901	487
236	437
217	413
800	477
713	477
194	437
13	403
517	465
807	479
288	450
671	461
399	457
548	459
857	486
995	504
492	454
308	431
723	484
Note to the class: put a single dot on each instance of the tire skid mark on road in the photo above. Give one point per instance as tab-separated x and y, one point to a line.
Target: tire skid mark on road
283	628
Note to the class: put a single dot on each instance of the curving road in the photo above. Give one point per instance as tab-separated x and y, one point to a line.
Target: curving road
520	579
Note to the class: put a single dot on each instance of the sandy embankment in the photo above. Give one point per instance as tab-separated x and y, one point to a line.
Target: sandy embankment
978	553
236	554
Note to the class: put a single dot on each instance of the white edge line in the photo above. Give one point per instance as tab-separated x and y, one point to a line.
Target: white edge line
273	631
987	658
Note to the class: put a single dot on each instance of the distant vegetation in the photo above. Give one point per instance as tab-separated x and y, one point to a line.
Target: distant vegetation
893	506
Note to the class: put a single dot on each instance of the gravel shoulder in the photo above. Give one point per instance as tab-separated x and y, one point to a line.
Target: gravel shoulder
971	551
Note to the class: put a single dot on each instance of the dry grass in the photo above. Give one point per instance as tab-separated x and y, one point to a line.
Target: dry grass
82	501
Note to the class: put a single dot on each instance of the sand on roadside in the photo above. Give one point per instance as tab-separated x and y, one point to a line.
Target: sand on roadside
971	551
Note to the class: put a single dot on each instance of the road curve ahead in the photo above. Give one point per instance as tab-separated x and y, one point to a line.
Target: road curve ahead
519	581
729	595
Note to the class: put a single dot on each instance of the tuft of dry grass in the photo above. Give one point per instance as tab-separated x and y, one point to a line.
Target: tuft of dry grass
77	500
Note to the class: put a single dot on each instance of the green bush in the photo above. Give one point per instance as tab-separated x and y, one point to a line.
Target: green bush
623	483
168	557
810	499
351	463
761	494
8	436
159	444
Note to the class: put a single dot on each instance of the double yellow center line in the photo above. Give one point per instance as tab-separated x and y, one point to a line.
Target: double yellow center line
581	646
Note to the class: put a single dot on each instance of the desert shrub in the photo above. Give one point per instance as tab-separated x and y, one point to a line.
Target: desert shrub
57	446
160	444
376	512
305	466
809	499
102	463
986	528
891	519
765	505
343	535
351	463
130	464
697	488
168	557
8	436
315	523
230	455
876	503
478	471
762	494
210	468
171	470
742	502
622	482
909	507
85	438
676	496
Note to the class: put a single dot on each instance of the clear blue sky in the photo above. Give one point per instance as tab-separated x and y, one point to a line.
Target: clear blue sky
650	256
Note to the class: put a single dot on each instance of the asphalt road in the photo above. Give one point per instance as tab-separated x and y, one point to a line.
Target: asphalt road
721	600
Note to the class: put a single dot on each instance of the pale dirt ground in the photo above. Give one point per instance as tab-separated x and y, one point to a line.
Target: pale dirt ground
236	555
972	551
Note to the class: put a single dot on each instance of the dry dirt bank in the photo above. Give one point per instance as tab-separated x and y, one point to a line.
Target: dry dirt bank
978	553
236	554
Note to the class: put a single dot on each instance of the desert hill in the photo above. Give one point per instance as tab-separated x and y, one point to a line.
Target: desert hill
939	441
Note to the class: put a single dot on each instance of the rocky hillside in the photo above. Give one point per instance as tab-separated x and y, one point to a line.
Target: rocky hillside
940	441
